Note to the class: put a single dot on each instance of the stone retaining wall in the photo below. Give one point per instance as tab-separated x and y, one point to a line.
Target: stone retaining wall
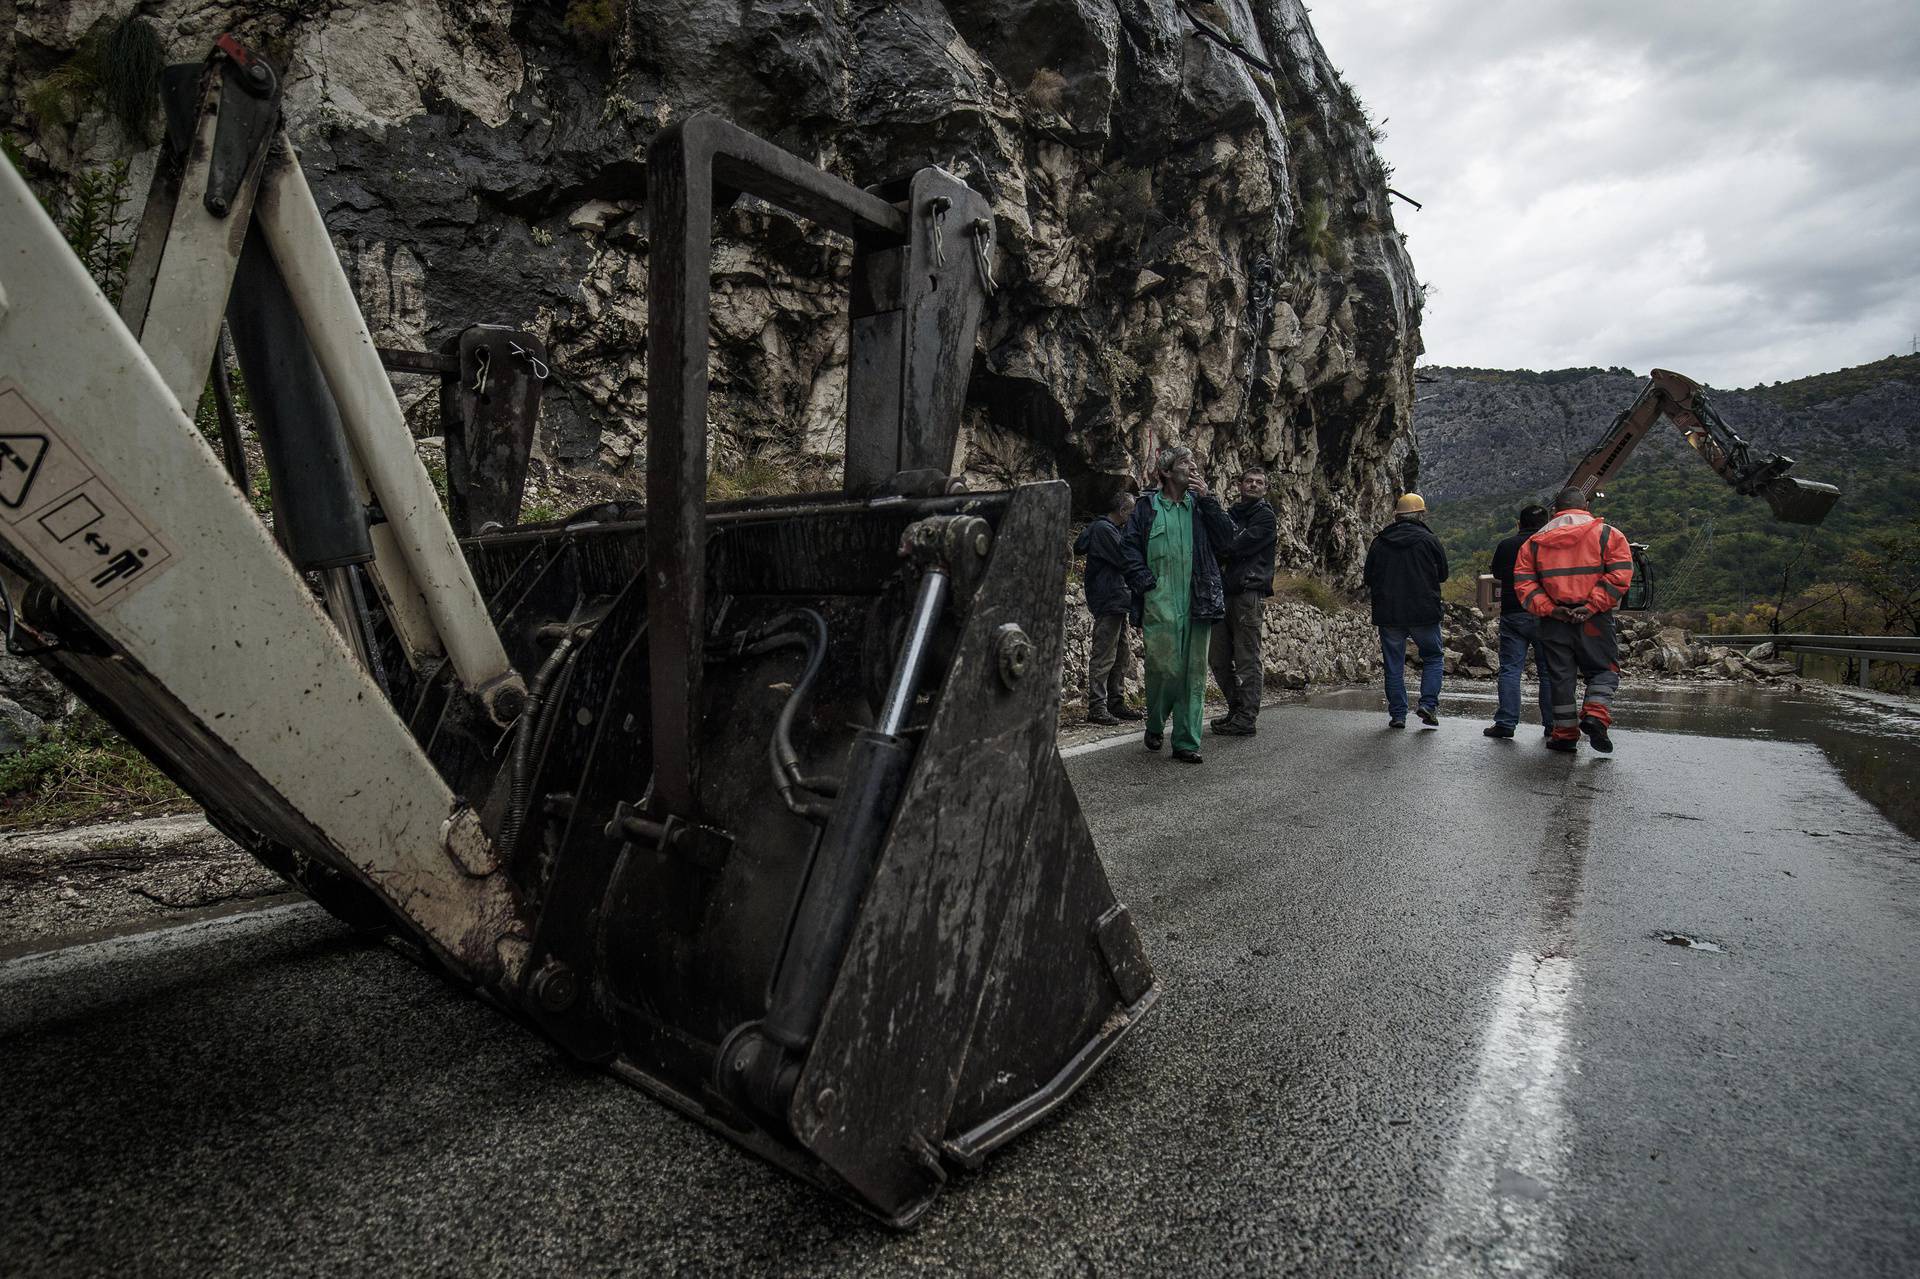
1307	646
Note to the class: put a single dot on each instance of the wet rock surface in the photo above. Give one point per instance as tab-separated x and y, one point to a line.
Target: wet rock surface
1194	237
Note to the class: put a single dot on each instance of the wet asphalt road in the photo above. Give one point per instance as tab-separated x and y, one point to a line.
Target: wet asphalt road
1418	1018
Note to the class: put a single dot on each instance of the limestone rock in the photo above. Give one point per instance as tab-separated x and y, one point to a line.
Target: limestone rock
1158	203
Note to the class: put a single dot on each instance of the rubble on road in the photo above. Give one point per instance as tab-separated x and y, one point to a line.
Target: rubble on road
57	883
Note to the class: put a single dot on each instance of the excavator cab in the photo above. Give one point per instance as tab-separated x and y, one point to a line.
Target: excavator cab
755	804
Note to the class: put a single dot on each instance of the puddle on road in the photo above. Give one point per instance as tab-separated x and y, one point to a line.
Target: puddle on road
1874	743
1691	943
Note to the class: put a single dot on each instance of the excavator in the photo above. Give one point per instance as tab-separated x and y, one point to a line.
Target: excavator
754	804
1684	402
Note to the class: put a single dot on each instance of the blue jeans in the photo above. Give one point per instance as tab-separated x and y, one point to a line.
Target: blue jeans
1518	633
1393	655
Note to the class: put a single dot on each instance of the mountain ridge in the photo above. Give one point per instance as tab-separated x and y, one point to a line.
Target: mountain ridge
1490	440
1482	432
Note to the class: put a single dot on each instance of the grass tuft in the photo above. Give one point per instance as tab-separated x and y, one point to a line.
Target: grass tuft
754	475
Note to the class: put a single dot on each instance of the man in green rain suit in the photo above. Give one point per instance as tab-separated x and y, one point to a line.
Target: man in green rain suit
1176	594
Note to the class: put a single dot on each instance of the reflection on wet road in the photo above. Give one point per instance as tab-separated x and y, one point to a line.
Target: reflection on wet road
1872	740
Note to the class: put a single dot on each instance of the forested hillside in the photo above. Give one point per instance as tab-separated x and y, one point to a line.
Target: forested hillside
1492	440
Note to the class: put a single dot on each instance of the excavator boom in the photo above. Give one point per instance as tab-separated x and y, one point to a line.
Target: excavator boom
1684	402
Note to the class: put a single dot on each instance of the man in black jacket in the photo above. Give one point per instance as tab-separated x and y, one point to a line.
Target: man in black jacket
1110	602
1519	631
1246	573
1405	566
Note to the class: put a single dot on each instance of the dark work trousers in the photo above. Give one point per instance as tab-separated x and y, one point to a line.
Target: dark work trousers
1108	663
1234	653
1576	651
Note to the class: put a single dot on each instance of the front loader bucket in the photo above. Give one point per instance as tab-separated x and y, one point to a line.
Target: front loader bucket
800	853
898	981
756	805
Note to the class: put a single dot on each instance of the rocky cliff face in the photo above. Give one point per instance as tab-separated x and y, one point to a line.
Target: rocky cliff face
1194	238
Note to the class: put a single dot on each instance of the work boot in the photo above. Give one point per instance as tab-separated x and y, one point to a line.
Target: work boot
1187	757
1235	726
1597	734
1126	712
1428	716
1154	740
1224	720
1566	745
1496	730
1097	714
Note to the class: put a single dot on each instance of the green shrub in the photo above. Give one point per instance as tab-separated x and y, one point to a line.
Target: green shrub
80	770
593	20
1317	235
1118	201
1308	590
88	215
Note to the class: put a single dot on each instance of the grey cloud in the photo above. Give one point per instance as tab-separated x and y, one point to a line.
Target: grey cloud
1743	178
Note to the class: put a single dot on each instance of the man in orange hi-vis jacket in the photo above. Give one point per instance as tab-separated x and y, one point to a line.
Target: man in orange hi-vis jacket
1572	574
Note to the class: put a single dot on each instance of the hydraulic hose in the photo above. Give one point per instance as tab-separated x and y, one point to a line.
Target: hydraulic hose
799	792
520	776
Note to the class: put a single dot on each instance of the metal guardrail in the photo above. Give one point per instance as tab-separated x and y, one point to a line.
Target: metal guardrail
1866	649
1878	643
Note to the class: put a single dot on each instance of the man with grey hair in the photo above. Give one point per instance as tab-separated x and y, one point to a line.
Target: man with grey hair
1177	594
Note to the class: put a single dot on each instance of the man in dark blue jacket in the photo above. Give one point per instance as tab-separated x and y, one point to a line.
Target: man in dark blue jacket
1519	631
1246	573
1405	567
1177	595
1111	603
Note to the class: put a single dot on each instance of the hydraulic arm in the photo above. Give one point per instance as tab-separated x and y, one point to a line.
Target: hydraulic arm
755	804
1684	402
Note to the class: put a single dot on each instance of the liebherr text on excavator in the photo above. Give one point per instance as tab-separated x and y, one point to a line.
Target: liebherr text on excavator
756	804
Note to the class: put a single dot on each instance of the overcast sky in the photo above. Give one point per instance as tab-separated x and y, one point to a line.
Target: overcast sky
1729	190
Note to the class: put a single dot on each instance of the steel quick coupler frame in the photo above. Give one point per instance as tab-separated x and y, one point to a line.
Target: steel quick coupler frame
760	806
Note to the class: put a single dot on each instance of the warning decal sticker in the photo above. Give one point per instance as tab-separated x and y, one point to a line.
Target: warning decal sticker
59	510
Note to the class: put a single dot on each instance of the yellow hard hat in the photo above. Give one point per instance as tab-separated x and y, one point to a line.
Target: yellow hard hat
1409	504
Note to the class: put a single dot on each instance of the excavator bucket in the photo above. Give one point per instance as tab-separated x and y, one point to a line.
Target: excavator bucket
1798	501
757	804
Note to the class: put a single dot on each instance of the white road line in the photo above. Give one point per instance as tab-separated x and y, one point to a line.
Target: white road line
72	959
1498	1213
1104	744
